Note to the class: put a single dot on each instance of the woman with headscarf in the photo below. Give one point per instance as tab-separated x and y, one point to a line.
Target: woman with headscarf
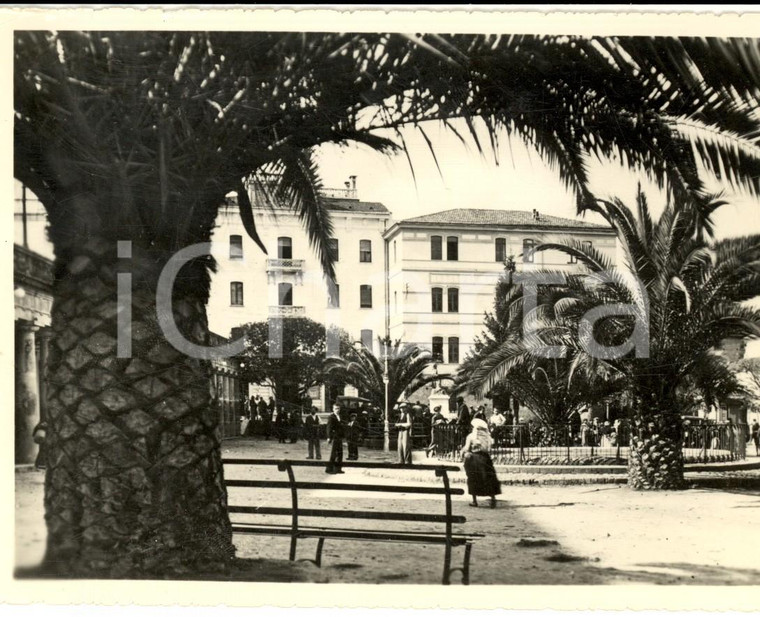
481	475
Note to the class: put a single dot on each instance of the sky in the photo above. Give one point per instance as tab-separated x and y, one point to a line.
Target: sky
519	181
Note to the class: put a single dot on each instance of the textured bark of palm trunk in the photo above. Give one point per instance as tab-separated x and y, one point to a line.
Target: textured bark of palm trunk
134	484
655	459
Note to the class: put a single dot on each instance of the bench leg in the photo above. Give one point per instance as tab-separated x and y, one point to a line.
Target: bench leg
447	565
318	560
466	567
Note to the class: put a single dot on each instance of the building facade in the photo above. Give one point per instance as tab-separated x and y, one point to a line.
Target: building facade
443	269
288	281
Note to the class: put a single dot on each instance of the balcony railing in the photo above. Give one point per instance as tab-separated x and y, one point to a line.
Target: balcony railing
285	265
32	269
287	311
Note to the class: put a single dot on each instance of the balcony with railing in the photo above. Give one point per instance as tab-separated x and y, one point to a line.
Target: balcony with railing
287	311
284	265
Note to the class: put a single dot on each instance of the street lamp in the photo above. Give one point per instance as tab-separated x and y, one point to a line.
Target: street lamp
386	425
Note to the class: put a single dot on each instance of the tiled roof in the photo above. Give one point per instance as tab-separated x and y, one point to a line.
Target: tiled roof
336	204
506	218
353	205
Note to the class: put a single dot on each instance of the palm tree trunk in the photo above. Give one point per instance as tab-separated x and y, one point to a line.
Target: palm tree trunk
134	484
655	459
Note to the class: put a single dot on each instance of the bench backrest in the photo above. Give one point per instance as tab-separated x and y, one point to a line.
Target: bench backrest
287	466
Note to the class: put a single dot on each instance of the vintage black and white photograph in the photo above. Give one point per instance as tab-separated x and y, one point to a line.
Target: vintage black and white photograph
367	304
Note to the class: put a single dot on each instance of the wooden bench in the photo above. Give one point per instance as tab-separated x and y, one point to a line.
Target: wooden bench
297	531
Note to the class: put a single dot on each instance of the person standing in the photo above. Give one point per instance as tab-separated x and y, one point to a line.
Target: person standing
756	436
353	437
39	435
266	418
295	424
280	424
436	420
311	434
404	426
481	475
463	418
335	432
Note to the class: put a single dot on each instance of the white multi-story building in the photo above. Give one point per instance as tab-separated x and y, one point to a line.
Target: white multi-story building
288	281
443	269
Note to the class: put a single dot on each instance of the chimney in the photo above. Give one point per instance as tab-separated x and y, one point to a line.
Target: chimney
353	182
536	214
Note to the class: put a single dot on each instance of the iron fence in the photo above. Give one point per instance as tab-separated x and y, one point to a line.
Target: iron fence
534	444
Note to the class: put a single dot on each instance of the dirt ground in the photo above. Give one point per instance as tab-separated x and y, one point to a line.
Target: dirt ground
593	534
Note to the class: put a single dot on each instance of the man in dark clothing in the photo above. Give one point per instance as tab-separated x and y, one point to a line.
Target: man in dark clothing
311	433
266	418
295	425
281	424
335	438
354	435
463	414
464	418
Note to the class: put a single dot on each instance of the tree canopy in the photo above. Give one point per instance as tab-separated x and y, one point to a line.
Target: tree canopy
289	355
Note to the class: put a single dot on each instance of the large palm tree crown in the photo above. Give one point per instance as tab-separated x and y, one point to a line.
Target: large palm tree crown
406	370
678	294
161	125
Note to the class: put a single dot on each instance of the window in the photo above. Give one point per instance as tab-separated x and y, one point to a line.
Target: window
365	296
365	251
236	293
395	301
453	350
367	339
438	348
528	249
236	247
333	295
332	248
501	249
436	248
394	251
452	248
284	248
437	300
453	294
285	294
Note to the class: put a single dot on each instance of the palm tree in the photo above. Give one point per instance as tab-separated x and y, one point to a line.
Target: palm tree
406	365
137	138
684	292
547	386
